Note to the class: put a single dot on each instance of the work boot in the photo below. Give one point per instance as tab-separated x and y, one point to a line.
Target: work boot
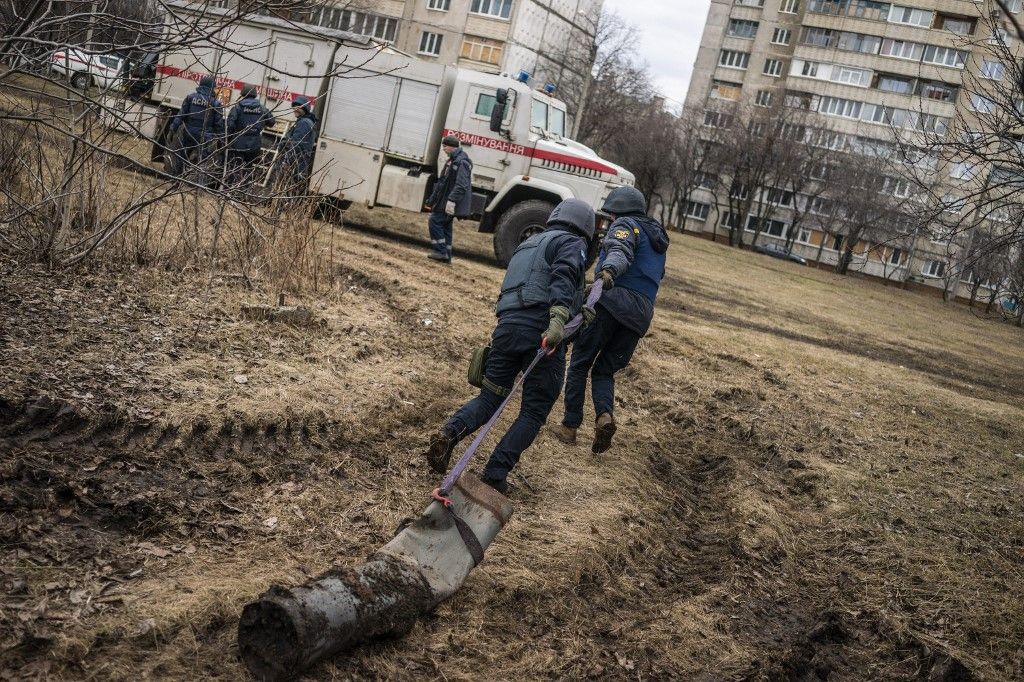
566	434
440	451
499	484
439	257
603	432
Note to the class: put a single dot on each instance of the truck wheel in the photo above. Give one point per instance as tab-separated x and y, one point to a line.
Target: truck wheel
81	81
523	220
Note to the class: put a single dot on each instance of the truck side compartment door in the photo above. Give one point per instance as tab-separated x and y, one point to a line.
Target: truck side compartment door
290	67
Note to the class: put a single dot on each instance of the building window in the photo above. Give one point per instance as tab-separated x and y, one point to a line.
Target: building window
775	228
945	56
902	49
944	92
992	70
963	170
742	28
898	84
430	43
363	23
869	9
955	24
810	69
482	50
895	256
763	98
818	37
750	3
836	106
803	236
717	119
933	268
790	6
485	105
492	8
734	59
981	104
772	67
858	42
850	75
999	37
726	90
898	187
910	16
780	36
697	210
440	5
727	219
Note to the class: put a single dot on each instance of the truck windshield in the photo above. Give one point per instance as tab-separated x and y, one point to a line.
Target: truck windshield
547	118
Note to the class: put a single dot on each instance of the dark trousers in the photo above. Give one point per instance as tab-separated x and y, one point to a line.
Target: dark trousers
242	166
606	346
513	348
441	232
193	151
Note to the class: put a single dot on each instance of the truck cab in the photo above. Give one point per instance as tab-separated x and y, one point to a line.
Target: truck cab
523	163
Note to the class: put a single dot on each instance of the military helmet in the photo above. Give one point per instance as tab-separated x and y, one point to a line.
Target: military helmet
625	200
574	213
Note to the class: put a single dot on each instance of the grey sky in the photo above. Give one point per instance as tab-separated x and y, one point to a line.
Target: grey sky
671	32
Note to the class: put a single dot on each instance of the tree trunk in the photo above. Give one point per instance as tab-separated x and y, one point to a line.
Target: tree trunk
992	300
843	266
821	247
974	292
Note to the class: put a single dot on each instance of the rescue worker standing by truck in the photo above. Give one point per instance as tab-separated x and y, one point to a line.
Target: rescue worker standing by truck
631	265
452	198
541	292
295	151
201	124
245	126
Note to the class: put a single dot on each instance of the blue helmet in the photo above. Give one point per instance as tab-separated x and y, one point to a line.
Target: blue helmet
207	82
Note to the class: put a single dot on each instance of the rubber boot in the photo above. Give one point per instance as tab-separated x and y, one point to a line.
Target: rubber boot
500	485
566	434
440	451
603	432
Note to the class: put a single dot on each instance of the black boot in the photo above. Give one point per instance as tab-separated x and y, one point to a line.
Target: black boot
501	485
440	452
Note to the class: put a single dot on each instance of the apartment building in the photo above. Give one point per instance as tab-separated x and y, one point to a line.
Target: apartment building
861	69
494	36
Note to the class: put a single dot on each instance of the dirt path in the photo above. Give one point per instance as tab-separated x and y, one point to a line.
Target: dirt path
805	486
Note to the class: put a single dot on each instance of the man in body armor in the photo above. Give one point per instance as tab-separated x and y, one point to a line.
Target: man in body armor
245	126
631	265
541	292
295	151
202	124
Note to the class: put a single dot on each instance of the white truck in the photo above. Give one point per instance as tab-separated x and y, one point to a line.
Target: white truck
382	116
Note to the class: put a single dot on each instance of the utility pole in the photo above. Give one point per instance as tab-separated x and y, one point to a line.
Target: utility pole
588	77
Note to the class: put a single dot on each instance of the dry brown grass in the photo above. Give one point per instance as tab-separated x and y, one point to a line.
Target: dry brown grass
815	475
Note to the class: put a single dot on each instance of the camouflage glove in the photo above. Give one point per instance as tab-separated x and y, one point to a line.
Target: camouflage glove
449	208
588	316
558	315
607	278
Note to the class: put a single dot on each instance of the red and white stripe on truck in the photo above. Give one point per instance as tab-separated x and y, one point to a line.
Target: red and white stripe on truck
270	93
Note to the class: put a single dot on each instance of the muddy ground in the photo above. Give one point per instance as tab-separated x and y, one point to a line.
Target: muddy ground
815	477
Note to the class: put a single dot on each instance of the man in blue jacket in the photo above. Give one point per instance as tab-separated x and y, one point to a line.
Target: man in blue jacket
542	290
202	124
245	126
295	152
631	265
452	198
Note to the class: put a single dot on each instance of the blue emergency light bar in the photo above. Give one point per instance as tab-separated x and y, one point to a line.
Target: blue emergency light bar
523	77
549	88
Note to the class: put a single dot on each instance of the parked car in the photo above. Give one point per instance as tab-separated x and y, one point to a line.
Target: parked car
86	69
776	251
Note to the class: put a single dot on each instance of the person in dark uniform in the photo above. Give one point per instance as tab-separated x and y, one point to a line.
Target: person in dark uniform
295	151
631	265
541	292
245	125
451	198
201	124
